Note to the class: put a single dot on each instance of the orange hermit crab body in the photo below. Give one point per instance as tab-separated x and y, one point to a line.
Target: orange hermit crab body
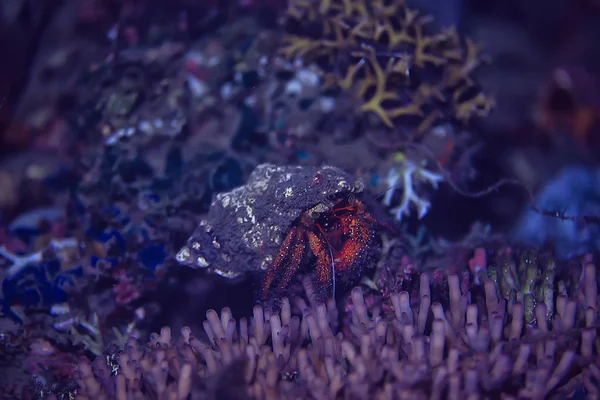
338	239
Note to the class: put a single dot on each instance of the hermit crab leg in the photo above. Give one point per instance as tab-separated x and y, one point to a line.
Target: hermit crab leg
325	265
280	260
359	235
293	265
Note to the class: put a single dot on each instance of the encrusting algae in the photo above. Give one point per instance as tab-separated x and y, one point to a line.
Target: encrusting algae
384	53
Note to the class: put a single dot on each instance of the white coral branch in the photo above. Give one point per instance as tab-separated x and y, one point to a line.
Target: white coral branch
408	175
19	262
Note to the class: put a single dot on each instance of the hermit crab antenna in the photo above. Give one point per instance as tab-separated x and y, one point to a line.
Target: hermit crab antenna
332	268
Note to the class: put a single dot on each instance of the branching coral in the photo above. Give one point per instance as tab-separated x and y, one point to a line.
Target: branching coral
385	53
87	332
475	346
409	175
19	262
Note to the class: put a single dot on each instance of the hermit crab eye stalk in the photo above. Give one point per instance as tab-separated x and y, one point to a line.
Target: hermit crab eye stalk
316	215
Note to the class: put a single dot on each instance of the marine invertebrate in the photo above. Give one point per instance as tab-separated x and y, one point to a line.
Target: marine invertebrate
40	278
530	278
246	227
338	236
385	54
20	262
470	346
409	175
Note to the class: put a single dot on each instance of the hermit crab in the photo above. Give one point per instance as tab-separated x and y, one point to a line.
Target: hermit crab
287	218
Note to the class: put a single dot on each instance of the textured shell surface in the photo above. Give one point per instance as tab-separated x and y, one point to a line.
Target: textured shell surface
244	228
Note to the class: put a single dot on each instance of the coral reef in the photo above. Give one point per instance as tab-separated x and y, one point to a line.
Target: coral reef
384	53
140	127
401	346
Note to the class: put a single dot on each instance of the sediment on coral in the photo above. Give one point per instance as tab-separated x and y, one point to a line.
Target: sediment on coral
476	346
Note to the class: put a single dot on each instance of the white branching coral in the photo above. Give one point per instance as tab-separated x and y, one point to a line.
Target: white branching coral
19	262
408	175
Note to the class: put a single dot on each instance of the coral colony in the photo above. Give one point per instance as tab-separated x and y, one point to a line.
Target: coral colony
482	346
391	53
348	304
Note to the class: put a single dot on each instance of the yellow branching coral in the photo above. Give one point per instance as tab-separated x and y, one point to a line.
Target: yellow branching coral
385	54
